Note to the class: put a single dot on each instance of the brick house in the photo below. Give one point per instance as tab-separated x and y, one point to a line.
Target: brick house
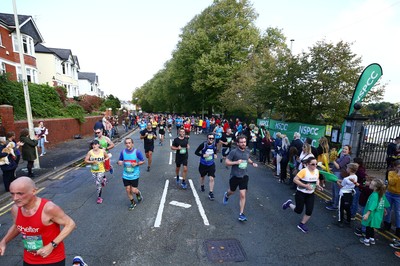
9	49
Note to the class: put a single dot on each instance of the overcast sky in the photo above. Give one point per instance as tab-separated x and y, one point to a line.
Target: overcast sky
127	41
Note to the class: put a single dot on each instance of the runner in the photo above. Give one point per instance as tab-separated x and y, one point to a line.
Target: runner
178	124
218	130
131	158
307	179
208	152
96	157
106	144
169	122
226	141
161	131
239	158
148	136
187	128
181	145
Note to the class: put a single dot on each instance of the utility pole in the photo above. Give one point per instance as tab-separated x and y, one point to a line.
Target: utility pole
25	82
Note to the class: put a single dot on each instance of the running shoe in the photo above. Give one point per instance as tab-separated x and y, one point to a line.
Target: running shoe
78	259
202	189
242	217
111	170
99	200
225	199
139	197
397	254
372	241
148	168
287	204
365	241
395	244
177	181
211	196
331	208
302	228
184	185
132	206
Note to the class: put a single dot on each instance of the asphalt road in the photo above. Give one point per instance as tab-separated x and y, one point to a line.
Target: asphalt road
109	234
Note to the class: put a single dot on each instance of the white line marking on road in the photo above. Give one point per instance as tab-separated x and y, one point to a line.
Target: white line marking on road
170	157
199	205
180	204
157	222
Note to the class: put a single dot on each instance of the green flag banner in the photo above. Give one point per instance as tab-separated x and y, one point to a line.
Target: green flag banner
367	80
288	128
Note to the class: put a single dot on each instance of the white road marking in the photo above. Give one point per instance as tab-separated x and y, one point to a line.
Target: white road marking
199	205
157	222
170	157
180	204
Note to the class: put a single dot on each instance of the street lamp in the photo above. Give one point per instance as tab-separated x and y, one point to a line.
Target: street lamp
291	45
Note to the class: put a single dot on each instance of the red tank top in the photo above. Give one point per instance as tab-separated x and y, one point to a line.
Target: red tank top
35	235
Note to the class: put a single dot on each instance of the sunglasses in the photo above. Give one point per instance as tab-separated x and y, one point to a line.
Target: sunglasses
313	164
98	132
210	138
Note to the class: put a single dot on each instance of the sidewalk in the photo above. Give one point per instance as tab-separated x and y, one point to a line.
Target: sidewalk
58	157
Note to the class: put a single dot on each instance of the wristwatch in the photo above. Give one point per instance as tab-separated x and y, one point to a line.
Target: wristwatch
54	244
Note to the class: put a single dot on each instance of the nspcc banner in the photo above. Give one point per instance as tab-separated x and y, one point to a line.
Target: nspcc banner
367	80
288	128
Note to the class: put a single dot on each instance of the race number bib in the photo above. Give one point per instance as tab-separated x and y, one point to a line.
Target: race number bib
182	151
243	165
128	167
95	167
228	140
150	136
32	243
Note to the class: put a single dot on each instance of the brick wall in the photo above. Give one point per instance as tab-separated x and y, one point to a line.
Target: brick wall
60	129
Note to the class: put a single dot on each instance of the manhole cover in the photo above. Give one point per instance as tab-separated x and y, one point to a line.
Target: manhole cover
224	250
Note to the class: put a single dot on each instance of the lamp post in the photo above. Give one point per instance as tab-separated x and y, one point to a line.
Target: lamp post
291	45
25	83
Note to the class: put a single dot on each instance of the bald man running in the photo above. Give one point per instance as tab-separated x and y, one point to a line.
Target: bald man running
38	220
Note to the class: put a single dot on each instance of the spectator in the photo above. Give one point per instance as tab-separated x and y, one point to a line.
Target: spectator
393	196
28	149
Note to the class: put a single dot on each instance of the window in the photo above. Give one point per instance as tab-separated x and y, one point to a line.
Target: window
63	68
27	44
1	41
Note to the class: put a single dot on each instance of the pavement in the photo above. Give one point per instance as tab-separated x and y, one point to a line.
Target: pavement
58	158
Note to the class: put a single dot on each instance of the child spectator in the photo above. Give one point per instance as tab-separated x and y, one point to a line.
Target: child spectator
346	193
365	192
374	210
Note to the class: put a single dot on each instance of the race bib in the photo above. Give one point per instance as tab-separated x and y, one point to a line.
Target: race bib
161	127
313	185
95	167
243	165
150	136
128	167
182	151
209	158
229	140
32	243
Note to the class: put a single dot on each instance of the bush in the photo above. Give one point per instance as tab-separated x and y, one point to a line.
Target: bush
76	111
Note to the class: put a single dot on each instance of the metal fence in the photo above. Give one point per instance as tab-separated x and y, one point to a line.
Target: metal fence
374	139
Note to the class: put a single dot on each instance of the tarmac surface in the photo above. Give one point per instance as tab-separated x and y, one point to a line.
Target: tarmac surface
58	157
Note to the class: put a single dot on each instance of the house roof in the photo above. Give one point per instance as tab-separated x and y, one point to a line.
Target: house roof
26	23
63	54
92	77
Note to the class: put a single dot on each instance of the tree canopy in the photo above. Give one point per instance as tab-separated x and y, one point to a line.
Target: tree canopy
224	64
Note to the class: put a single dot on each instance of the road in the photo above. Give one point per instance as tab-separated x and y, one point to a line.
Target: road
109	234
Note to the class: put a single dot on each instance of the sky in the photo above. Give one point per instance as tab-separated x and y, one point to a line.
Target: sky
126	42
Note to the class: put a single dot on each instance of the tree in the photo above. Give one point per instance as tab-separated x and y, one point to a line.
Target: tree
111	102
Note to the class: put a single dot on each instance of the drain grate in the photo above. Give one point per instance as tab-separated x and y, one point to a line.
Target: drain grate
224	250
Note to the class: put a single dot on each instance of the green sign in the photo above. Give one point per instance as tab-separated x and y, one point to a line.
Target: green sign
367	80
289	128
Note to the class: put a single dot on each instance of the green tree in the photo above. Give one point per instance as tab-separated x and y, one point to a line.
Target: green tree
111	102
